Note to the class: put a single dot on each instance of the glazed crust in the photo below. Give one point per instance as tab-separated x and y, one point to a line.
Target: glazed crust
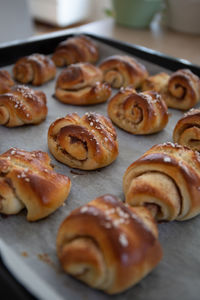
35	69
122	71
166	179
6	81
138	113
187	130
108	245
86	143
181	90
81	84
28	180
74	50
22	106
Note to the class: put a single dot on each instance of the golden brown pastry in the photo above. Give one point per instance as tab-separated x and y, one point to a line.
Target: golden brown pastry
76	49
108	245
181	90
138	113
122	71
86	143
35	69
81	84
187	130
28	180
22	106
166	179
6	81
157	83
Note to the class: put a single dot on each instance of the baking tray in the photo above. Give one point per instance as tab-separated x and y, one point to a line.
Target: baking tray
28	249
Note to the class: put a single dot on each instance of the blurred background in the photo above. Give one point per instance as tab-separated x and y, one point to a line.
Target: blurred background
169	26
23	18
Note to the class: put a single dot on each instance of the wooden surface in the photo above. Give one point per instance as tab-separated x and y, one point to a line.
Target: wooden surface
181	45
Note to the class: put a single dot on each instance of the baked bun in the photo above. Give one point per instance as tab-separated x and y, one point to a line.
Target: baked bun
108	245
181	90
76	49
122	71
157	83
166	179
86	143
22	106
187	130
35	69
28	180
6	81
81	84
138	113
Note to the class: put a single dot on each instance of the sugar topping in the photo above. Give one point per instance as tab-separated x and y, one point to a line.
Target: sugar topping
191	112
174	145
107	225
84	209
123	240
13	152
167	159
121	213
90	209
26	92
150	99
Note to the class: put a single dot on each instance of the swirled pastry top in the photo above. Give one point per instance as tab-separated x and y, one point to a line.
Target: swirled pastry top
76	49
28	180
6	81
85	143
187	130
22	105
181	90
78	76
138	113
115	243
81	84
35	69
123	70
167	176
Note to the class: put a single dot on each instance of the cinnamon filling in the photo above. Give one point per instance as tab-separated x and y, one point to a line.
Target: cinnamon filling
137	114
181	91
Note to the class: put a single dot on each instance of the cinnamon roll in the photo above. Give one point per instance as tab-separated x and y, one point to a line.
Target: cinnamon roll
166	180
85	143
76	49
138	113
81	84
181	90
22	106
187	130
27	180
35	69
108	245
122	71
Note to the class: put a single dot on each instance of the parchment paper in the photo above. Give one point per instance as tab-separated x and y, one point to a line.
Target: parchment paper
29	250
